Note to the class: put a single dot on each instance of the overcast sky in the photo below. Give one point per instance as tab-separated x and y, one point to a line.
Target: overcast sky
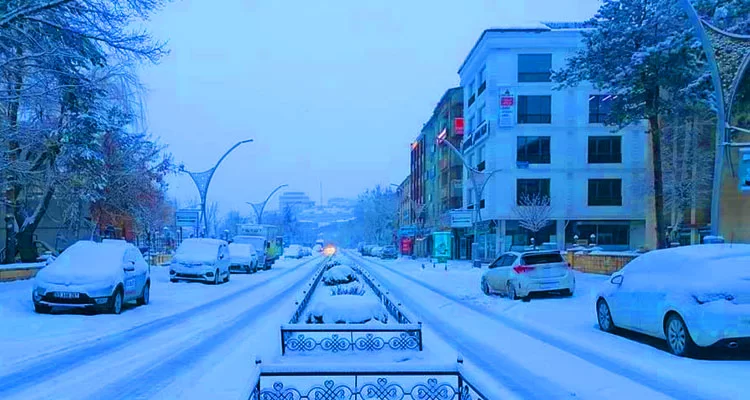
331	91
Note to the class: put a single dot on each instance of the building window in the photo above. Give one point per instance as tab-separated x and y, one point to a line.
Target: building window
531	187
600	106
534	109
471	124
534	67
605	149
481	203
471	93
605	192
480	114
533	149
482	80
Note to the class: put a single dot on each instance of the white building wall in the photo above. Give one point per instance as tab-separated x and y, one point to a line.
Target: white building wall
569	170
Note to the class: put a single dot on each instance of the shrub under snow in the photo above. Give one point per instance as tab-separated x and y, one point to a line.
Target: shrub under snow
338	275
347	309
354	289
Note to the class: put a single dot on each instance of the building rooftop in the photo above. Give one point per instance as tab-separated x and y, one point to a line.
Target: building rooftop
531	27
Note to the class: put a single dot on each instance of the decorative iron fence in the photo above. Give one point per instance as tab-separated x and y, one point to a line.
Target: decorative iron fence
288	382
299	337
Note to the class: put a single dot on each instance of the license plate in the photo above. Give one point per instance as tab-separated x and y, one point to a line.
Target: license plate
67	295
548	285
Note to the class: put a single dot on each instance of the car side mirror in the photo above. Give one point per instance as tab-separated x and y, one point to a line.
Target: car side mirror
616	280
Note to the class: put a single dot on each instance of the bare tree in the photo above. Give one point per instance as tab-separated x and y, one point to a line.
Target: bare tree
534	212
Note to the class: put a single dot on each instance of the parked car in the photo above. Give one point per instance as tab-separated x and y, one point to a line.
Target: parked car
518	274
691	296
389	252
317	248
243	257
100	276
205	260
293	251
306	251
261	246
376	251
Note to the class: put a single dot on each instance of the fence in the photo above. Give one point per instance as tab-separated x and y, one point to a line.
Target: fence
325	382
599	263
298	336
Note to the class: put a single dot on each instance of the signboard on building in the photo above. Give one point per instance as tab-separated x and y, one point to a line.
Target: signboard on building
441	246
409	230
458	126
186	218
461	218
407	244
507	114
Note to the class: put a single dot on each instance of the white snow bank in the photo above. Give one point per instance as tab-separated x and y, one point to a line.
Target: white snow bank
338	275
22	265
346	309
85	262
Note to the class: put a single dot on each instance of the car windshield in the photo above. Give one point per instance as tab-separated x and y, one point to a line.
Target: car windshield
445	200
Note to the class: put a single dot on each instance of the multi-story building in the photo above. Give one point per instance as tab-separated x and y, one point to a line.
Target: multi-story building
298	201
436	172
547	142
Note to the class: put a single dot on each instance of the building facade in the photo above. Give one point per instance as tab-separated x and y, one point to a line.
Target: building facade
298	201
542	143
436	172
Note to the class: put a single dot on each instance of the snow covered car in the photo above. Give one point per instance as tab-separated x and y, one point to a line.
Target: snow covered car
376	251
307	251
100	276
259	243
692	296
389	252
294	251
243	257
517	274
205	260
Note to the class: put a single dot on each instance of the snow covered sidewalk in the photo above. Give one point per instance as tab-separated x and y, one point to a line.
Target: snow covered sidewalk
564	329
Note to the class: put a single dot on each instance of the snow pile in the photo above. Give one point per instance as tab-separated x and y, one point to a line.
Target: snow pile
85	262
347	309
338	275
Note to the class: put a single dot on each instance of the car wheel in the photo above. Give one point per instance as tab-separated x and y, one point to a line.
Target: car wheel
115	302
227	278
511	290
42	308
485	287
604	316
173	280
144	299
216	277
678	338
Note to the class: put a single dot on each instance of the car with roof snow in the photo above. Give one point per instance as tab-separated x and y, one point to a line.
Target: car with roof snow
691	297
294	251
261	246
519	274
201	259
242	258
90	275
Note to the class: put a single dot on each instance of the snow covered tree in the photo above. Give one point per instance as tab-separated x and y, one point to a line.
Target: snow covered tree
730	15
376	212
534	212
640	51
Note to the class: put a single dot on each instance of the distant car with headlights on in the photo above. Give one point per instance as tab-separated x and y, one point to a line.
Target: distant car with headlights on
204	260
90	275
243	258
692	297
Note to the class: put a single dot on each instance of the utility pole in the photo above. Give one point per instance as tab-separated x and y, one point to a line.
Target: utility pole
203	179
259	207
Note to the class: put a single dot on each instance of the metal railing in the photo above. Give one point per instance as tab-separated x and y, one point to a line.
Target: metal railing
417	382
299	337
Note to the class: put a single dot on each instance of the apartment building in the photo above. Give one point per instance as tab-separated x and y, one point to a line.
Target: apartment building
544	143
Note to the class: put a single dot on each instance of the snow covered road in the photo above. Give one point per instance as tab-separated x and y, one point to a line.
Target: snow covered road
554	340
132	355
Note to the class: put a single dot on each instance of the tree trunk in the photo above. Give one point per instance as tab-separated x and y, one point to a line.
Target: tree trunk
655	132
25	235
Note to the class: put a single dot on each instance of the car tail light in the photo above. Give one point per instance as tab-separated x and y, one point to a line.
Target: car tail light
521	269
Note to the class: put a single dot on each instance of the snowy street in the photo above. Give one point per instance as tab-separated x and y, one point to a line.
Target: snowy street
180	342
551	340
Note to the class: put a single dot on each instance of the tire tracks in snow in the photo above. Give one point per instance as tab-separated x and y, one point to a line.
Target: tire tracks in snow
39	369
149	381
671	389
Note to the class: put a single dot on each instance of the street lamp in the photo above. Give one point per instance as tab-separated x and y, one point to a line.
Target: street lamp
203	179
474	175
259	207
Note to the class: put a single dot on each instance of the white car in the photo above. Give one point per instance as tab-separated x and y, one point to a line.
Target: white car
100	276
243	257
259	243
294	251
518	274
692	296
205	260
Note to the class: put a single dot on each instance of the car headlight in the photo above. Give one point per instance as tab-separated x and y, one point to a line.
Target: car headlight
709	297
